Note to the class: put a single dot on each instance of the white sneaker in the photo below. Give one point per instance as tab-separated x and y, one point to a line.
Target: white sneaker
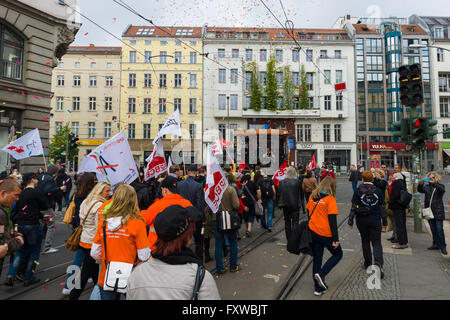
90	280
51	250
66	291
320	281
319	293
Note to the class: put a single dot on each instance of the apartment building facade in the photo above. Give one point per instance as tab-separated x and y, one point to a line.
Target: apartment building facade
161	71
325	127
86	87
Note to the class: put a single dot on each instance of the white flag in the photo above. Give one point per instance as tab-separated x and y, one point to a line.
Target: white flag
169	164
156	162
172	126
217	148
26	146
112	161
216	182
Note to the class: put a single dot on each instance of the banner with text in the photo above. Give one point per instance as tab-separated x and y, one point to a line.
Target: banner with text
26	146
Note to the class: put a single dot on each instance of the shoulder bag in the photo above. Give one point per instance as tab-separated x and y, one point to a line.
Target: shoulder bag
68	216
427	213
72	244
258	206
198	282
117	273
301	239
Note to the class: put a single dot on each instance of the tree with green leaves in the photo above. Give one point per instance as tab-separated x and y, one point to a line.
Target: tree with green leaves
256	94
303	93
271	89
288	89
58	146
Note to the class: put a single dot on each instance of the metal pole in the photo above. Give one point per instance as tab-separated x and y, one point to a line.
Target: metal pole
417	172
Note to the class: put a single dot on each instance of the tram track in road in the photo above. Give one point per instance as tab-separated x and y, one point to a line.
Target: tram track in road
297	272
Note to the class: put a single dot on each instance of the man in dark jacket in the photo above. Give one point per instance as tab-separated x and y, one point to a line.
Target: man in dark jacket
434	192
290	201
9	193
193	191
354	177
399	186
47	185
368	206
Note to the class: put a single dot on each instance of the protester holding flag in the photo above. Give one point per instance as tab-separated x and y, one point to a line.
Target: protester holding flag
290	201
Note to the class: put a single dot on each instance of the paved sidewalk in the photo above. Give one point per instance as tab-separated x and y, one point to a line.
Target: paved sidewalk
410	274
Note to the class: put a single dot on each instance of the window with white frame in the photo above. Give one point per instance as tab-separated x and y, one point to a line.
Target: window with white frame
162	105
235	53
109	81
163	80
295	55
177	104
309	55
147	105
148	56
279	55
108	103
131	131
76	128
178	57
234	76
76	104
147	80
339	104
132	80
339	77
222	75
192	105
192	130
163	57
131	105
327	102
233	102
295	78
337	133
311	102
326	133
92	103
132	56
60	82
76	81
107	132
192	80
443	103
147	130
248	54
92	81
221	53
222	102
177	80
193	57
93	65
299	132
59	103
327	76
440	55
262	55
91	129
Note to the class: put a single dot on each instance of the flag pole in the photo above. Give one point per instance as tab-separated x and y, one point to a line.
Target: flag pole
45	162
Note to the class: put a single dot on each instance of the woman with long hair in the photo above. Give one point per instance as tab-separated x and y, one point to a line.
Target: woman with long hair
88	214
309	184
126	236
171	272
290	201
323	211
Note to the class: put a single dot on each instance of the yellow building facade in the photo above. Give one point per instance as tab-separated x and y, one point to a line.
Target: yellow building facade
161	71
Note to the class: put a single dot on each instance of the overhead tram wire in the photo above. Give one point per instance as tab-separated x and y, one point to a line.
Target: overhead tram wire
290	32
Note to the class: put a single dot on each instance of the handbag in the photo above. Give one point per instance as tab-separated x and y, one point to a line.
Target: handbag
117	273
72	244
198	282
301	239
427	213
228	220
258	206
68	216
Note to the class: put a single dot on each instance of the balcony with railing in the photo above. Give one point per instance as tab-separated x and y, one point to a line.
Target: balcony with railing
11	70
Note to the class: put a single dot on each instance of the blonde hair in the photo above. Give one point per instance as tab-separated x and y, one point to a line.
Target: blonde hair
380	172
95	193
124	204
437	176
291	173
327	185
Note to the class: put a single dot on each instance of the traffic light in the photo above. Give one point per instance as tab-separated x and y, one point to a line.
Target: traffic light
401	129
429	131
72	141
418	130
411	88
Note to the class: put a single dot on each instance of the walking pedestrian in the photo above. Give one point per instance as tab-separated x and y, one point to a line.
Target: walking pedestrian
289	190
171	272
399	211
88	214
229	202
85	183
191	190
28	213
47	185
266	196
126	236
354	175
434	192
368	206
322	210
309	184
301	177
248	196
390	213
9	193
63	179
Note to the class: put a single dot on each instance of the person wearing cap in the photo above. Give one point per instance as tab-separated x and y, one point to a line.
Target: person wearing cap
191	190
126	236
171	272
170	197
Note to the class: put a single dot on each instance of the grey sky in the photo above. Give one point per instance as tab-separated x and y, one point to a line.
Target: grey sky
238	13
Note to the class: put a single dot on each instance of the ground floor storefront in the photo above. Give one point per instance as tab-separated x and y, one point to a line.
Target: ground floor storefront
341	156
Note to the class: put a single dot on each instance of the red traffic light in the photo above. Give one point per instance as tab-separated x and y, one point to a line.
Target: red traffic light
418	123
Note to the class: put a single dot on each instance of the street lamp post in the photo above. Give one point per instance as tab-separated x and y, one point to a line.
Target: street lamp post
422	46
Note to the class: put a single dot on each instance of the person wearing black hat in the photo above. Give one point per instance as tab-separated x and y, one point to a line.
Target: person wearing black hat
171	272
193	191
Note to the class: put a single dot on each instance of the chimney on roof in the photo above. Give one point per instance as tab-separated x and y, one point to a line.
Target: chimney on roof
348	17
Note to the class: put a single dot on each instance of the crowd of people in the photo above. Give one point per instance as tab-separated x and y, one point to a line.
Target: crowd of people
151	224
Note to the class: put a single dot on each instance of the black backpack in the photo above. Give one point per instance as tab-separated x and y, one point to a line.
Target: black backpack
405	198
367	202
266	189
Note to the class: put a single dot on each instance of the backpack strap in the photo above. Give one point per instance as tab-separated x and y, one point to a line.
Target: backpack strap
198	281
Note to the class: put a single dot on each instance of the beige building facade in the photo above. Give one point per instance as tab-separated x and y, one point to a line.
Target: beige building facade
86	86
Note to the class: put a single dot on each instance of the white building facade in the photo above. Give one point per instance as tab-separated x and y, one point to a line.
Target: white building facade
325	128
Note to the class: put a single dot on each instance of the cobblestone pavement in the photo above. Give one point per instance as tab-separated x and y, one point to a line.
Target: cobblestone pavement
355	285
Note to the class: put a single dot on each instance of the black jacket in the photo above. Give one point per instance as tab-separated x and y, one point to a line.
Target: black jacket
28	208
377	213
397	186
354	176
437	205
193	191
48	187
290	191
380	184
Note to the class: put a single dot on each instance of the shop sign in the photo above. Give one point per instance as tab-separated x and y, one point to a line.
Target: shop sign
90	142
384	146
304	146
337	146
445	145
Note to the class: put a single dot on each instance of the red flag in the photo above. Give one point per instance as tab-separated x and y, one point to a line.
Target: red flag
280	174
312	163
156	162
242	167
216	182
339	86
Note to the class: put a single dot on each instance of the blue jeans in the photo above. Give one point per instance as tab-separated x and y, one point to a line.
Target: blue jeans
78	261
111	295
32	236
437	231
267	206
318	244
219	239
355	186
